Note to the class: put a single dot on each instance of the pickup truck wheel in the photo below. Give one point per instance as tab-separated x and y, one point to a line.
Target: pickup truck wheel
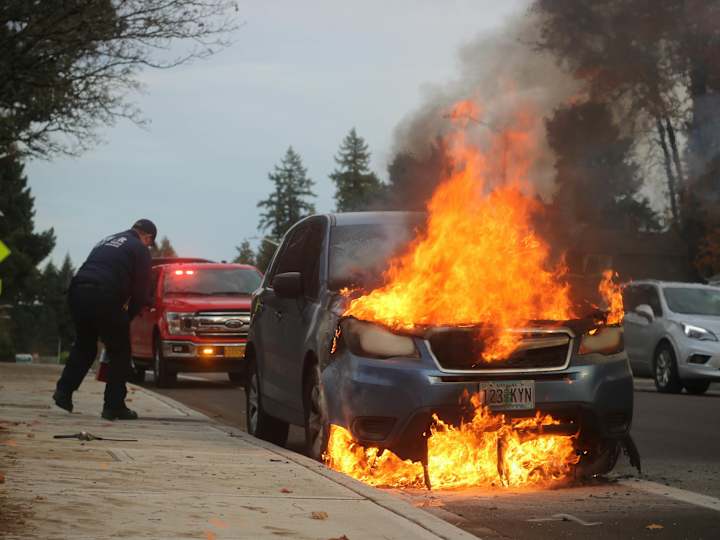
665	371
317	427
696	387
163	377
259	423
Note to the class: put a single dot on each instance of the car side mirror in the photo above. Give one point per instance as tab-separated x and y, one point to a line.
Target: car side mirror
288	285
645	312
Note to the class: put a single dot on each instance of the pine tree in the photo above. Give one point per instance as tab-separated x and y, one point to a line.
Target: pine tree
245	253
265	253
356	187
165	249
19	271
288	202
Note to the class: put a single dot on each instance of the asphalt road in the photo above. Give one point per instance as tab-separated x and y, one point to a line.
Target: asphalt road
678	495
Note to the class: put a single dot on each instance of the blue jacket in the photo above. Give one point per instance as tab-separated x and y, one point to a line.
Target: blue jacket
120	266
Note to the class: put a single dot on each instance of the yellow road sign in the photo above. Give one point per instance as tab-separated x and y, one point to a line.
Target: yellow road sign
4	251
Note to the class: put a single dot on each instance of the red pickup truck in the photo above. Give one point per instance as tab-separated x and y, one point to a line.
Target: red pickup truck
198	320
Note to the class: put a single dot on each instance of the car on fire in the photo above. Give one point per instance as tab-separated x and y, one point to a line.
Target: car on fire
672	332
197	322
310	366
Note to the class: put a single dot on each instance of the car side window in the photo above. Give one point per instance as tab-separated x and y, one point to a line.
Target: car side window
293	256
630	298
653	300
311	263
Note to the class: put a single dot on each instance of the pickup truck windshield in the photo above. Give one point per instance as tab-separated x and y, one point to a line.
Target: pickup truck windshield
359	254
211	281
693	301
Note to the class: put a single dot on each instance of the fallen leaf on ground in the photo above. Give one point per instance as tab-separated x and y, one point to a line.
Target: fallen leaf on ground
219	523
319	515
209	535
285	490
2	478
654	526
30	435
11	442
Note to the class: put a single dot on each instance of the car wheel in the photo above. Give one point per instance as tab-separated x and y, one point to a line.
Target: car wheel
665	371
601	461
236	378
696	387
163	377
317	427
259	423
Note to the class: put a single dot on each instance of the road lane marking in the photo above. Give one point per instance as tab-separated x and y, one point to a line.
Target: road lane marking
566	517
678	494
193	378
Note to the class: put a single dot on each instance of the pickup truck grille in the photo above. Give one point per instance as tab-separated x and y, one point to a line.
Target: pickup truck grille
228	324
460	350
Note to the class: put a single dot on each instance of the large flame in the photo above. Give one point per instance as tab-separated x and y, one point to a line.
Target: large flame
612	295
479	261
491	450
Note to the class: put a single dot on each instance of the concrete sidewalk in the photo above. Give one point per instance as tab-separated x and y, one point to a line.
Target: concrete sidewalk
185	477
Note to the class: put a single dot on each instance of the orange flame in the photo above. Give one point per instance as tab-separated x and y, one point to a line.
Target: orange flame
612	294
479	262
464	456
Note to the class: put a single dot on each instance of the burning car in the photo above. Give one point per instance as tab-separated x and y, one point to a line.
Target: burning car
442	348
313	363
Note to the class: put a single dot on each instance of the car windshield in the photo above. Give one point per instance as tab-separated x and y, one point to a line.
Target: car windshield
212	281
360	253
693	301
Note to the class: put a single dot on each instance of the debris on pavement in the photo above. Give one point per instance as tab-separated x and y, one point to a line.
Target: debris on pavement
319	515
654	526
87	436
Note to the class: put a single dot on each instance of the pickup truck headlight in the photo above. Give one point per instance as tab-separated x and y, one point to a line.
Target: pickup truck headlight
697	332
179	322
368	339
602	340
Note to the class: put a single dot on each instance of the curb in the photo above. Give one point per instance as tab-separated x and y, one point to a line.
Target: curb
429	522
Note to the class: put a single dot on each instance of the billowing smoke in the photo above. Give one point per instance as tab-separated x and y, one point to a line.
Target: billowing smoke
501	71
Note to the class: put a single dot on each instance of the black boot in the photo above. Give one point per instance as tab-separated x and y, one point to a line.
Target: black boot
119	414
63	400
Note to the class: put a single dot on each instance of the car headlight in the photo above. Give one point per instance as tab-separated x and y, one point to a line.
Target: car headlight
697	332
179	322
368	339
602	340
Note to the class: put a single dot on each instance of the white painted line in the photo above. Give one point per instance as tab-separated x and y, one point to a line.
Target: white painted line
678	494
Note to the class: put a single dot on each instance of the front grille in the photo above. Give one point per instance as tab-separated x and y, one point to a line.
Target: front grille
461	349
224	324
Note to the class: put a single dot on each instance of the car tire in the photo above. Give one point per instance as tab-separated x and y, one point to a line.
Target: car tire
236	377
259	423
696	387
163	377
317	426
599	462
665	372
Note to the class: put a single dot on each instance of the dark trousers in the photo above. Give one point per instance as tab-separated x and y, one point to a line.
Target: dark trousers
96	314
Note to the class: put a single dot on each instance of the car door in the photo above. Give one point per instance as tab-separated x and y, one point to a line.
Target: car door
267	333
141	328
639	332
298	314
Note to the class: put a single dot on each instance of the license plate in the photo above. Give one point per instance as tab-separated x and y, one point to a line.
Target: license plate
237	351
508	395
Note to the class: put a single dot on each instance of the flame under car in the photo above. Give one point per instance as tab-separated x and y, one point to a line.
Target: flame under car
310	365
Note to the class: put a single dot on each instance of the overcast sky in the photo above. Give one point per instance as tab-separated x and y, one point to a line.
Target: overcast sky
300	74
